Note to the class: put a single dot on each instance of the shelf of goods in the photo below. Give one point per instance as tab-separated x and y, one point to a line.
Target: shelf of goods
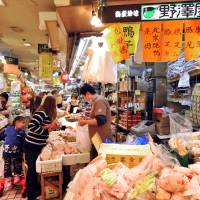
194	71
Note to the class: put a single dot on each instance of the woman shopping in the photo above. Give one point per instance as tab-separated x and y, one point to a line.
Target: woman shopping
41	124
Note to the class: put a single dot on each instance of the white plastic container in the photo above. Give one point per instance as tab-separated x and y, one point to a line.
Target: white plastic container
73	159
48	166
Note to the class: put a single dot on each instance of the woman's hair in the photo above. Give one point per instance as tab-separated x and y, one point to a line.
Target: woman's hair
49	107
4	95
37	103
17	119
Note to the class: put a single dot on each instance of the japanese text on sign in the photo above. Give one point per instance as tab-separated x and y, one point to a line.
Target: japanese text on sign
151	41
131	36
116	43
192	40
45	66
126	13
172	40
173	11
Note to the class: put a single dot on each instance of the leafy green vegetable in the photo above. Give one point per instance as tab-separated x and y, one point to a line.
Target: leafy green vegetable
108	177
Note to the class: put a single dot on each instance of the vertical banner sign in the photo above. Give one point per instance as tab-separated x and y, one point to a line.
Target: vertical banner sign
45	66
116	44
151	37
192	40
172	40
131	36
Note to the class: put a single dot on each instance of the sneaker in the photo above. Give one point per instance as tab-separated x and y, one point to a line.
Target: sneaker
17	180
8	184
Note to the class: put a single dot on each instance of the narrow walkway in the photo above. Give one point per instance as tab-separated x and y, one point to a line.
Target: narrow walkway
15	194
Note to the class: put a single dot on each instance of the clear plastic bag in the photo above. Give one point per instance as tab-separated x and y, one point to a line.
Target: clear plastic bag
179	124
83	139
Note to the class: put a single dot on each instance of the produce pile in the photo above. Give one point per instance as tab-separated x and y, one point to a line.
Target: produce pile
157	177
60	143
185	143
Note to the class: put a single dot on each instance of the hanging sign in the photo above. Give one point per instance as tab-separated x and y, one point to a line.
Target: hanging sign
150	12
65	78
171	11
45	66
172	40
11	60
151	40
192	40
131	36
116	43
120	13
43	48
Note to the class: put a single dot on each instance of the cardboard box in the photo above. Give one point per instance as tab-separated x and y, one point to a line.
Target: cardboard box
162	129
130	155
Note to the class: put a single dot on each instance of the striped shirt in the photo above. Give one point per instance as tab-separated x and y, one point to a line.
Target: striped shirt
37	134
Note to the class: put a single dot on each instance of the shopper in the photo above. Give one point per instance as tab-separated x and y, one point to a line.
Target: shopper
39	127
100	115
12	153
74	103
4	106
35	104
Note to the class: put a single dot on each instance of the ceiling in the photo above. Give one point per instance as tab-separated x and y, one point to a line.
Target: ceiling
19	20
79	21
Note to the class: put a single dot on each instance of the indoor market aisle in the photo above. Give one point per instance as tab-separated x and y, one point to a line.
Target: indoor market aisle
14	194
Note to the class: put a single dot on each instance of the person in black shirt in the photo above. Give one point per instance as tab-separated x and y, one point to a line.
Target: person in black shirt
38	132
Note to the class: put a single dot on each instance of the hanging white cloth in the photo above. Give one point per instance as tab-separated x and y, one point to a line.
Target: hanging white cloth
99	66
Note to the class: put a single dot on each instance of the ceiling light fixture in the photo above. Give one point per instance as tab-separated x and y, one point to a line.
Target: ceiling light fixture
2	3
95	21
26	74
27	44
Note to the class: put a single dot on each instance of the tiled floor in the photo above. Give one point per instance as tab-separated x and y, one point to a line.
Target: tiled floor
15	194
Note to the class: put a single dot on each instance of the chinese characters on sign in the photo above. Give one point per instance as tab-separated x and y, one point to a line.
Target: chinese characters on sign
126	13
192	40
151	38
116	43
131	36
173	11
45	66
172	40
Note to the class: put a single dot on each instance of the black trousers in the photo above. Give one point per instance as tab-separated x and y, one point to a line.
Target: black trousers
12	164
32	185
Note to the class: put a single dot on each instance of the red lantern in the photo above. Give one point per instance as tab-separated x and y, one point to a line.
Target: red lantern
65	78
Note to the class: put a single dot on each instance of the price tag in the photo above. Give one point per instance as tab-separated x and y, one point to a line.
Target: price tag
137	92
97	141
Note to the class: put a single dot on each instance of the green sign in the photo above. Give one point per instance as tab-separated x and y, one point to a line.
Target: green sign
170	11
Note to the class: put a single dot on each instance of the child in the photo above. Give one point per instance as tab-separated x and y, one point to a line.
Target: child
12	154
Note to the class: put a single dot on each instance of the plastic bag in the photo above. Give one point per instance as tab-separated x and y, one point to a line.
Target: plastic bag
141	140
83	139
179	124
144	127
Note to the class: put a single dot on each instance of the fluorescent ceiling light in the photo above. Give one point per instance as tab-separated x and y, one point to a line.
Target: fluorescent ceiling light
27	44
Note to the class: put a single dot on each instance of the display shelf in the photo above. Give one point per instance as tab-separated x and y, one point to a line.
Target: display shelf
193	72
